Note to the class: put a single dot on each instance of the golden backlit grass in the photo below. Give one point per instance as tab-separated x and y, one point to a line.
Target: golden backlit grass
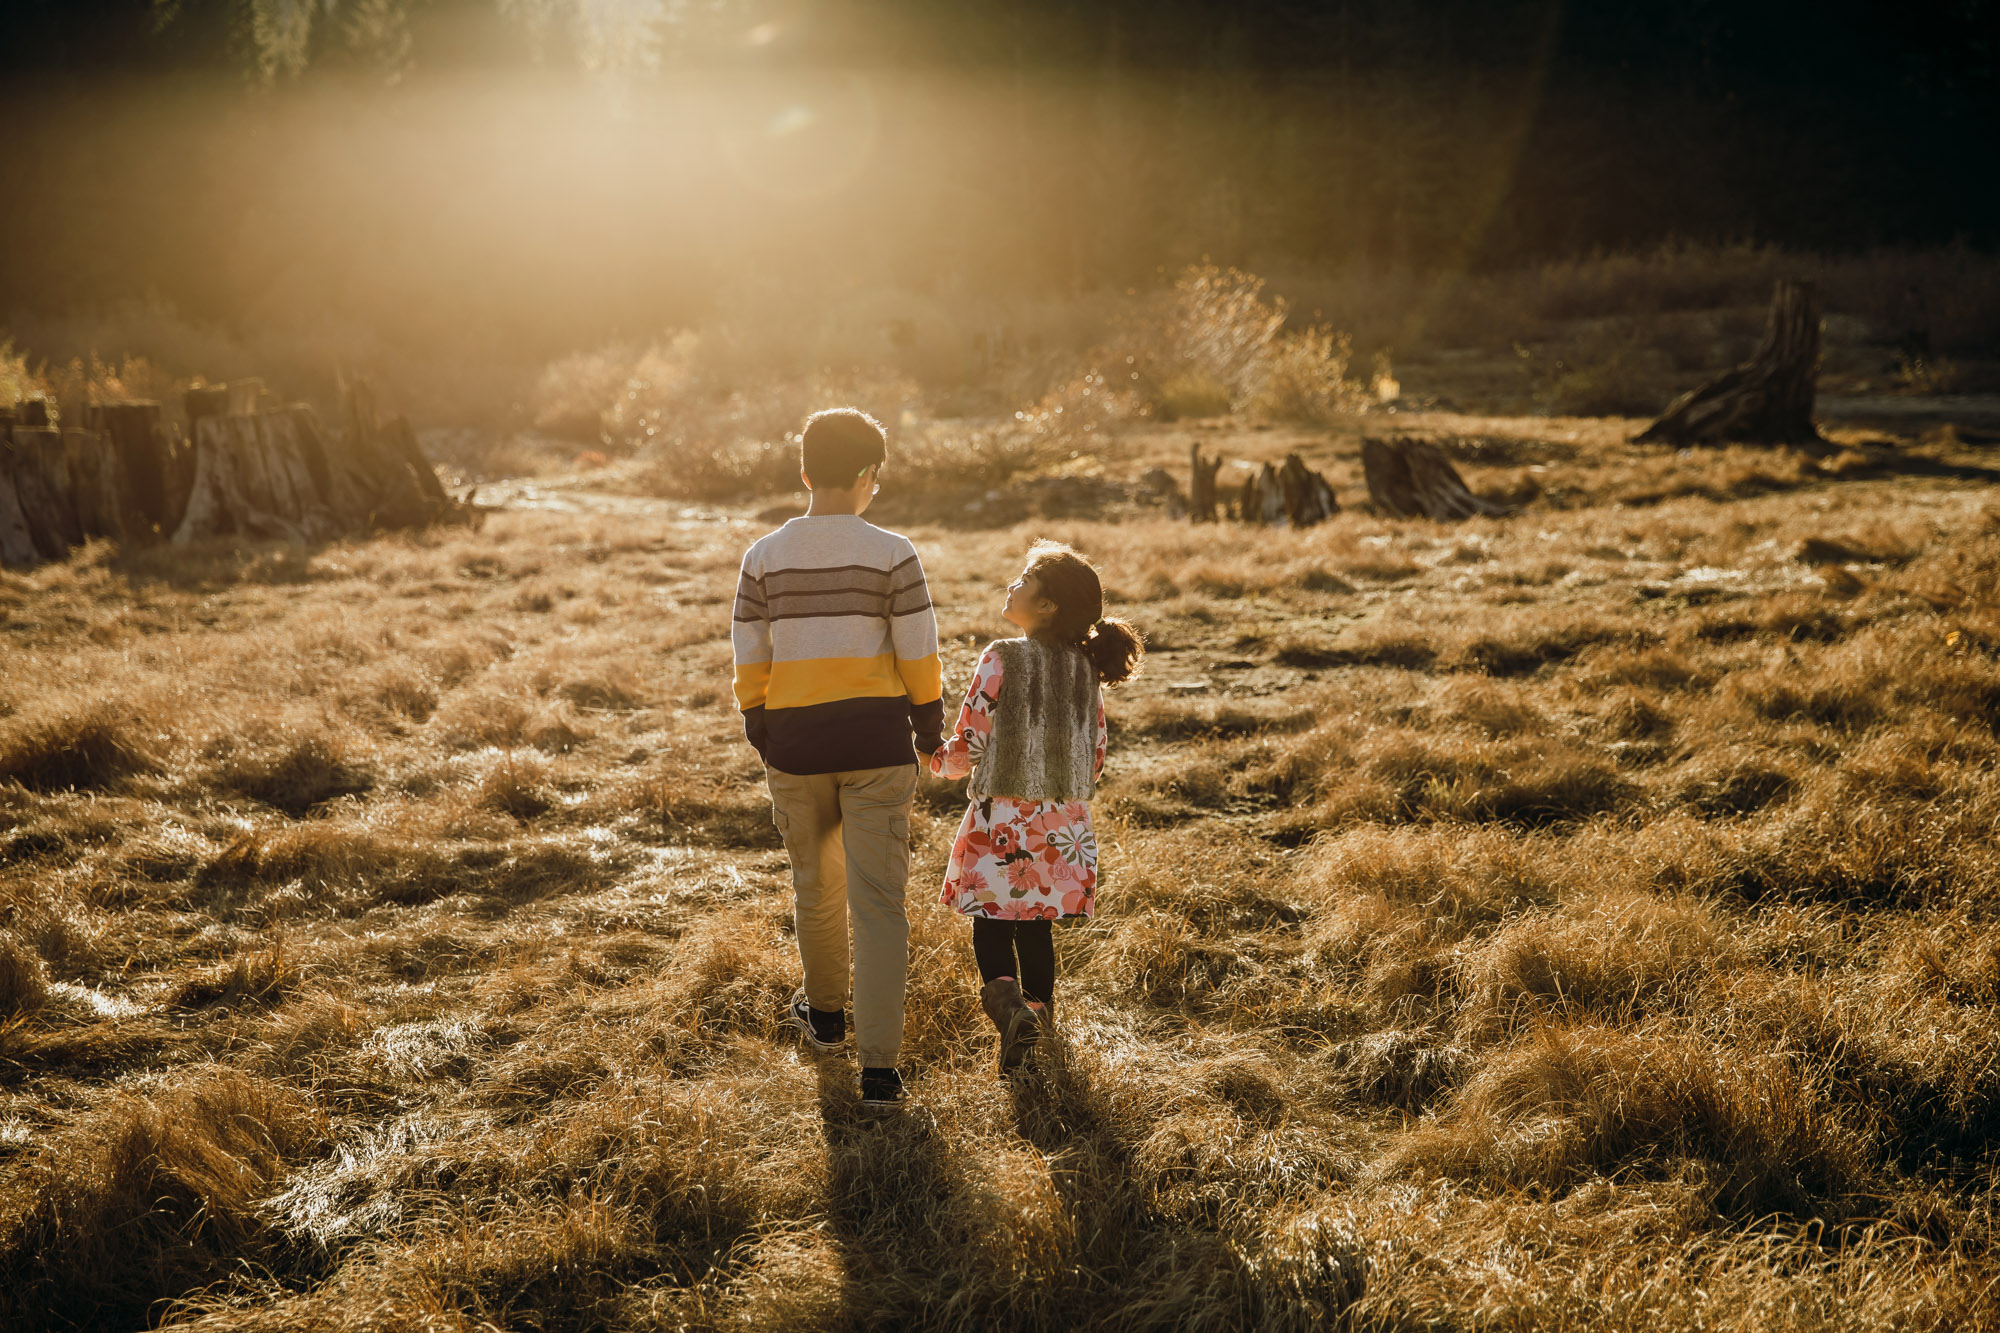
1585	918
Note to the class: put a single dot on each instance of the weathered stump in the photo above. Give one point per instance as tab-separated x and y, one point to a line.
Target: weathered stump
1413	479
41	488
1161	483
252	476
208	400
1262	499
97	485
1308	496
1766	400
1290	495
216	505
401	440
32	412
245	396
344	487
265	473
399	487
1201	484
17	542
145	453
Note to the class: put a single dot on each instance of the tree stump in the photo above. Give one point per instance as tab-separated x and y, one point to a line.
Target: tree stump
398	486
252	477
210	400
145	453
1161	482
402	444
1413	479
1766	400
32	412
269	473
1260	502
41	488
1308	496
97	485
244	396
341	484
17	541
1201	485
1291	495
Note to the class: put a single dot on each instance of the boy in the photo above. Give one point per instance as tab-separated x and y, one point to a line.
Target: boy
837	676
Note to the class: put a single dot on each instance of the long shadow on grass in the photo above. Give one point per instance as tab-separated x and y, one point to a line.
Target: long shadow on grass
1884	463
224	562
1059	1108
889	1180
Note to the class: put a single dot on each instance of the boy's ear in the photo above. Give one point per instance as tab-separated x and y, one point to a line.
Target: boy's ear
804	478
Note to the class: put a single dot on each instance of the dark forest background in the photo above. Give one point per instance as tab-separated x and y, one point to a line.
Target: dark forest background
539	173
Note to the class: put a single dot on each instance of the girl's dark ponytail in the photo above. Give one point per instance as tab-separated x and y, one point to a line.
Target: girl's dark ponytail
1114	647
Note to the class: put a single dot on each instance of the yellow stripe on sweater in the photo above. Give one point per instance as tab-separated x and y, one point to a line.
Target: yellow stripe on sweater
825	680
753	683
923	678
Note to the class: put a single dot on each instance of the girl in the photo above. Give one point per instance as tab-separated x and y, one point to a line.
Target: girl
1031	738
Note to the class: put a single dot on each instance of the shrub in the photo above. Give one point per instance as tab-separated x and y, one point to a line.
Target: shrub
1303	378
1218	327
1215	345
16	381
1192	394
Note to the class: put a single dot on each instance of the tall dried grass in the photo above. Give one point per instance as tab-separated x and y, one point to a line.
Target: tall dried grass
1479	943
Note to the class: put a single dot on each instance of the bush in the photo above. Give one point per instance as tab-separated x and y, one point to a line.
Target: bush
1191	395
16	381
1304	378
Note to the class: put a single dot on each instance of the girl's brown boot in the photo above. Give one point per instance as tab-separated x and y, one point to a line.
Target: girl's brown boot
1019	1024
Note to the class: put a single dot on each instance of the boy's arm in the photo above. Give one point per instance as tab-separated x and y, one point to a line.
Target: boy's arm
750	635
913	630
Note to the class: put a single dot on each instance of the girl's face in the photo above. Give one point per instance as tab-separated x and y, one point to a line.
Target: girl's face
1026	607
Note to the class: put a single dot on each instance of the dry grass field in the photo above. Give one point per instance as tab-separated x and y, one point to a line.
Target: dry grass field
1585	919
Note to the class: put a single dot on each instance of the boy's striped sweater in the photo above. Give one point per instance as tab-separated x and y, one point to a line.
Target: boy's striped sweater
836	648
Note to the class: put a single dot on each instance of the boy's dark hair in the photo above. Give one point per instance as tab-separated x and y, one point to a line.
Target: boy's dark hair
1113	646
839	444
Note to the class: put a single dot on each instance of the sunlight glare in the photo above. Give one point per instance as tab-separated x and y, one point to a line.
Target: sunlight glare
791	120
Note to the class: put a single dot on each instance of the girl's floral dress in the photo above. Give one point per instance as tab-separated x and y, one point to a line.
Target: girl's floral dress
1014	859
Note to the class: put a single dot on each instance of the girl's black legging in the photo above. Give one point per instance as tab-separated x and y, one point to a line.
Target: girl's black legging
996	944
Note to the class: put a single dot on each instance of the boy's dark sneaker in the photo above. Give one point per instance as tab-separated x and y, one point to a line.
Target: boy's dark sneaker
823	1031
881	1089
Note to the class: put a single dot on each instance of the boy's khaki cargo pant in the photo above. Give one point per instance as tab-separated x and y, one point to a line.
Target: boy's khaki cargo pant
848	838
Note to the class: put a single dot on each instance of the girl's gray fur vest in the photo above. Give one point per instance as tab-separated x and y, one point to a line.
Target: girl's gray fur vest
1044	741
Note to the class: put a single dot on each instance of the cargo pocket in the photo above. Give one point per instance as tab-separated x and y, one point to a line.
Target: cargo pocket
899	847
